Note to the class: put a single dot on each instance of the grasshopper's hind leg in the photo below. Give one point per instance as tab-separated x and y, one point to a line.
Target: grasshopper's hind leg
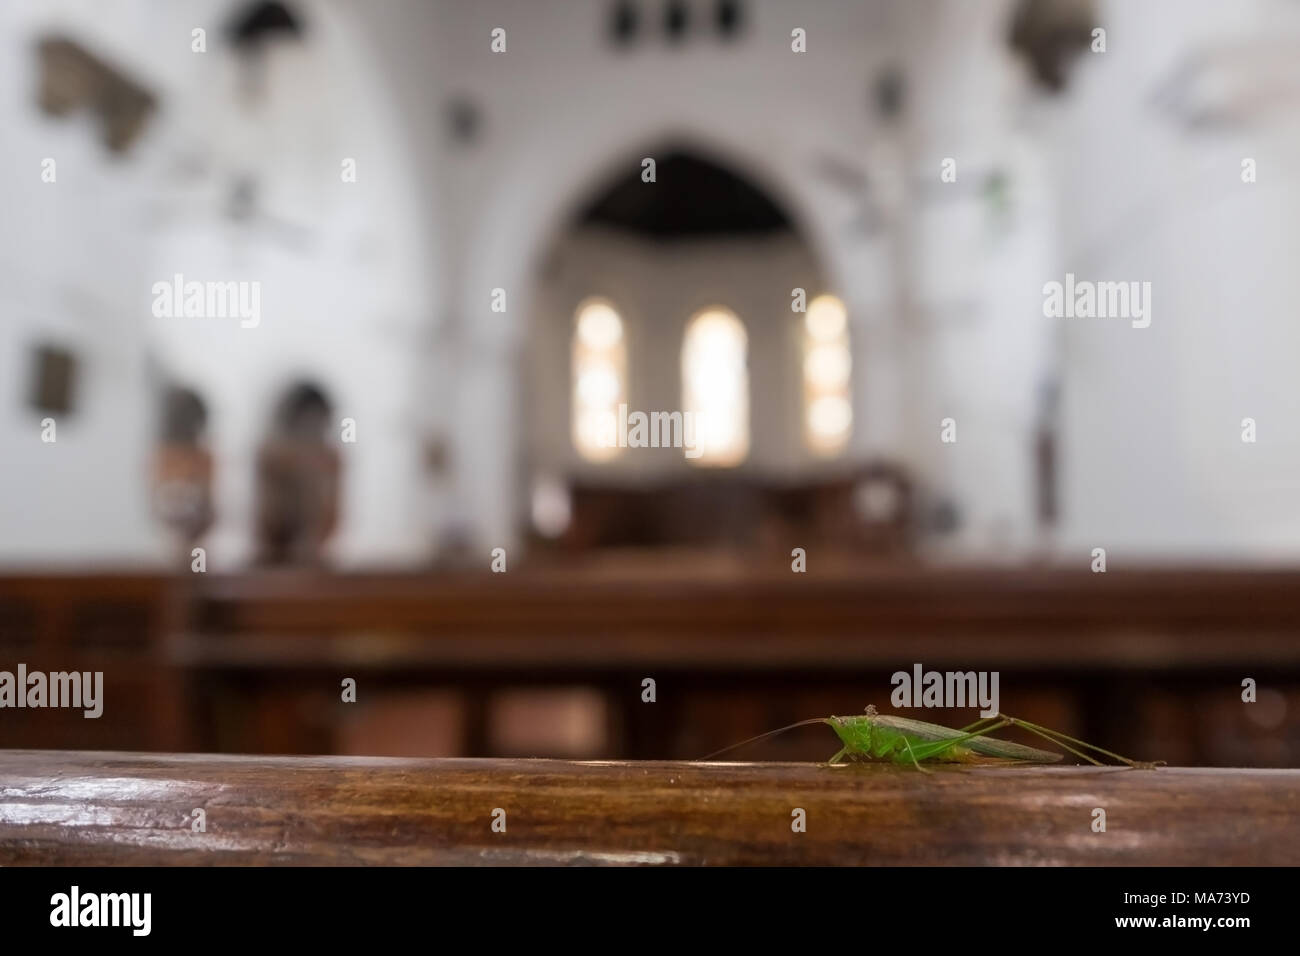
1060	739
911	753
933	748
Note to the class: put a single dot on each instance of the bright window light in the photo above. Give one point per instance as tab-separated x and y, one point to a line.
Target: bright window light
827	366
715	386
599	376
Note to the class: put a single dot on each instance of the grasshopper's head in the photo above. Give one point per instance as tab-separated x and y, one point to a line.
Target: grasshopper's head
855	732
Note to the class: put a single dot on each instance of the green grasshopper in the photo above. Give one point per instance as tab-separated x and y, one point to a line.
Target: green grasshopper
874	736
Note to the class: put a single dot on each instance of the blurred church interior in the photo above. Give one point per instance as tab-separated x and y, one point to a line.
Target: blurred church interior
398	473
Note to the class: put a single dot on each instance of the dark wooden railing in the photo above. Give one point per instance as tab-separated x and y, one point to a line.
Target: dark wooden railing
122	808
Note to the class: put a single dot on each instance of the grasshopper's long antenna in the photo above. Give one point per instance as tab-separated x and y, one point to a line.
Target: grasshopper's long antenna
770	733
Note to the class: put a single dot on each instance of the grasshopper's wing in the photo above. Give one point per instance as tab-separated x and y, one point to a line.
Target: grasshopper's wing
987	746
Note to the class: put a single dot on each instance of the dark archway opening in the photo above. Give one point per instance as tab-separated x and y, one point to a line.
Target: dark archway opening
691	198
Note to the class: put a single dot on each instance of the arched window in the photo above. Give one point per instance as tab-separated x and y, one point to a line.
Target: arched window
715	386
599	379
827	364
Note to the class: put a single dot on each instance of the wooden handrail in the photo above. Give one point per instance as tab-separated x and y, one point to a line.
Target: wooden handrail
61	808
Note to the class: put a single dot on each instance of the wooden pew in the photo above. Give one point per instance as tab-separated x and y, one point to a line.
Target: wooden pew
114	623
1145	661
130	808
1150	660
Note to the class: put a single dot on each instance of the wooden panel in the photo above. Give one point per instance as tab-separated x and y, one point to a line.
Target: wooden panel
730	616
117	624
87	808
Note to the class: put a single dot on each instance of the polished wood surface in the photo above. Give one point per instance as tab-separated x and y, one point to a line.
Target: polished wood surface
130	808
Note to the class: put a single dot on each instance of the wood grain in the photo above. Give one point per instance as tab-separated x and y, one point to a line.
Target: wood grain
62	808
